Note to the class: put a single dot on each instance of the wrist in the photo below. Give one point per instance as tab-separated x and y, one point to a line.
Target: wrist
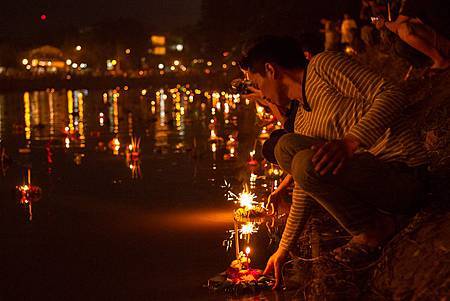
281	252
352	143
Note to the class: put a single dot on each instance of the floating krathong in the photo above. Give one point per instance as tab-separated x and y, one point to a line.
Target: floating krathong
27	194
133	151
213	137
264	135
114	145
252	160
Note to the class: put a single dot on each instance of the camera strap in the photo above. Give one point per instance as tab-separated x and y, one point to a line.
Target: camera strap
305	103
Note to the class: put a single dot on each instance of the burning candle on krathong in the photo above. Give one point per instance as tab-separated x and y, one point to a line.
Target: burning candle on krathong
232	151
252	160
213	135
247	257
232	141
264	134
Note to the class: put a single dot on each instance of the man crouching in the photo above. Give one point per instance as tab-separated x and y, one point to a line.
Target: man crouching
353	151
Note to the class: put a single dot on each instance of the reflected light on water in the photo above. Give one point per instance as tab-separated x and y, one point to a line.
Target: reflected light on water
198	219
27	113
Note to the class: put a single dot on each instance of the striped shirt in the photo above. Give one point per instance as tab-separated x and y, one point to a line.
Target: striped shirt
347	98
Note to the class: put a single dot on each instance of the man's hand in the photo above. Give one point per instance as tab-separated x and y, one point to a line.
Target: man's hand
332	155
256	95
274	265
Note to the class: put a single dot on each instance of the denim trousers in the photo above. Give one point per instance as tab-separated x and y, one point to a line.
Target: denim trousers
365	188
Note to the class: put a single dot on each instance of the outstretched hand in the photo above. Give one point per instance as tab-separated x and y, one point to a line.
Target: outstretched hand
274	265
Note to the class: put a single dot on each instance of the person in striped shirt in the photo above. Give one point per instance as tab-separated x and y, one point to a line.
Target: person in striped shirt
353	151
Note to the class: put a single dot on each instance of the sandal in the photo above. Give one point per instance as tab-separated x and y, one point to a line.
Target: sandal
356	255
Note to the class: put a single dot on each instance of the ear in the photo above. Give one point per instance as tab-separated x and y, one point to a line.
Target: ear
271	71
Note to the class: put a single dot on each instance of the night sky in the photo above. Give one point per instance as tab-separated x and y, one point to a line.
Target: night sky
17	16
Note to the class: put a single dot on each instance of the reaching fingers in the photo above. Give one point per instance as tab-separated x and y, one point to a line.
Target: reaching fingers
277	275
331	163
269	267
327	157
339	167
320	152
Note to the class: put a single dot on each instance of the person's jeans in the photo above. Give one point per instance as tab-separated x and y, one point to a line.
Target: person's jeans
362	190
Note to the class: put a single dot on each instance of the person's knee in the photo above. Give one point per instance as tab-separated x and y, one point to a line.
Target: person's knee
405	30
283	151
303	170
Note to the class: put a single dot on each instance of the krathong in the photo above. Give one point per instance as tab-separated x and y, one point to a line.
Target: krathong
252	160
28	194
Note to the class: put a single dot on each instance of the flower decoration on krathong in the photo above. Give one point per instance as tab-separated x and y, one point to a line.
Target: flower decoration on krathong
240	279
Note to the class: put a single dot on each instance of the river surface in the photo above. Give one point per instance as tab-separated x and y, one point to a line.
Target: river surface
115	222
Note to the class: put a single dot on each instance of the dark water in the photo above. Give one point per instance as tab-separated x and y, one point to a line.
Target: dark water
110	224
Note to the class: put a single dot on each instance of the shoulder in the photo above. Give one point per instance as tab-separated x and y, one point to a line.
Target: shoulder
327	59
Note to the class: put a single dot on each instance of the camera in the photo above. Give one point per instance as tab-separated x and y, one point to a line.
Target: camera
241	86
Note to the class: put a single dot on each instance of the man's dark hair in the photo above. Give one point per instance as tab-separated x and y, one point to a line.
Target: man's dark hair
283	51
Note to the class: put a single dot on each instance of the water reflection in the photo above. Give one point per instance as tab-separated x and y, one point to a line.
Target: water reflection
148	143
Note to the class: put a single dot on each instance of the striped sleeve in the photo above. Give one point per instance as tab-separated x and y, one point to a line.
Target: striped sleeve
385	101
298	216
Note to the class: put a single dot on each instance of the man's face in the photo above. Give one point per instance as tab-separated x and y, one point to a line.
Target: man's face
271	87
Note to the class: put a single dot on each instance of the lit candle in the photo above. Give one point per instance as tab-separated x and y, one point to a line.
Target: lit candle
247	253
